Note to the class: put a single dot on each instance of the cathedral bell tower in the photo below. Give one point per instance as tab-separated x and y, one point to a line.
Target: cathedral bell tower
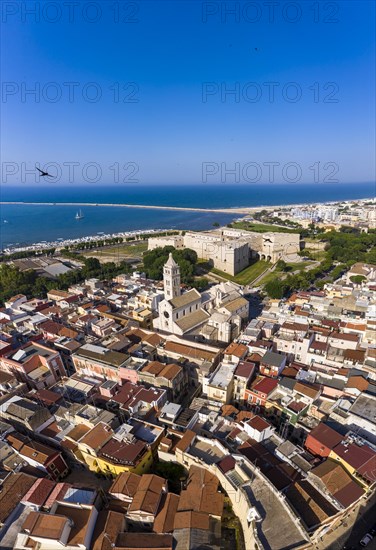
171	279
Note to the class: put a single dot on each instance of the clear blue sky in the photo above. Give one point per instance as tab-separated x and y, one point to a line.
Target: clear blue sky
170	49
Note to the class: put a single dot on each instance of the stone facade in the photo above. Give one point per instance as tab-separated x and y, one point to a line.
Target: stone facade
228	255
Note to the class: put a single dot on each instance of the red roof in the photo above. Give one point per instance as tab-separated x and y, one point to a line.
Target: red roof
227	463
38	493
326	435
296	406
245	369
48	397
349	494
266	385
258	423
123	453
362	458
345	336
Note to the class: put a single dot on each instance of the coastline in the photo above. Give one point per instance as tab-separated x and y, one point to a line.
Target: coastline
60	244
236	211
230	210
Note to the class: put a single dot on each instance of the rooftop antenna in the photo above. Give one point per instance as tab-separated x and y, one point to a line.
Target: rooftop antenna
109	540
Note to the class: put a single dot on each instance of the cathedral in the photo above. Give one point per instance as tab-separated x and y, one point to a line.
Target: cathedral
215	315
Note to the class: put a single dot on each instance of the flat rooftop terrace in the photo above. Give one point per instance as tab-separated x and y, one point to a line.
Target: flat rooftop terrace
277	530
210	454
223	375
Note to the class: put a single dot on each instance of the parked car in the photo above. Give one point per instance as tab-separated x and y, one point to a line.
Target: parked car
366	539
373	530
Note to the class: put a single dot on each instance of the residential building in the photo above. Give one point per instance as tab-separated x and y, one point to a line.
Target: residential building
99	362
272	364
38	455
258	429
172	377
322	440
35	364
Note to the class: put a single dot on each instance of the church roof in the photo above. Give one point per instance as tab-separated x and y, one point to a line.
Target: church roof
185	299
188	322
235	304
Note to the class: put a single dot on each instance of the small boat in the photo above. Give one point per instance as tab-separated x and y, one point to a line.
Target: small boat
5	221
79	215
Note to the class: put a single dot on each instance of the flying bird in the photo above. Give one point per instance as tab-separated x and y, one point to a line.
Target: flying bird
43	174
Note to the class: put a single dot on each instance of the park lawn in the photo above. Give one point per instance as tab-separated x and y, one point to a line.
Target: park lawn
124	249
248	274
263	227
269	277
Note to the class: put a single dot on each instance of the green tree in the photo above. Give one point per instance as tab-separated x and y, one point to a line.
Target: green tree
282	265
275	288
200	284
174	473
91	268
357	279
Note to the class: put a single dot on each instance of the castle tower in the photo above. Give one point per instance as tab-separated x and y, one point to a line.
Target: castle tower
171	278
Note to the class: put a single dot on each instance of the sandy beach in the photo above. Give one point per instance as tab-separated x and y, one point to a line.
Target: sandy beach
233	210
240	210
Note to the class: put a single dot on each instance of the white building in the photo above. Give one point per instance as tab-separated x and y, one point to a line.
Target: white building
258	428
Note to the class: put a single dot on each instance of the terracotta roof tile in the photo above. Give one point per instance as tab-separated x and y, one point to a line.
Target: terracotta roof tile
164	520
126	483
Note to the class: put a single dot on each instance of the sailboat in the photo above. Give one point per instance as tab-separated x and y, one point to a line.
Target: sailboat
79	215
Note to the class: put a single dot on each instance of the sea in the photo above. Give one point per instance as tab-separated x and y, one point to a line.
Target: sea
25	224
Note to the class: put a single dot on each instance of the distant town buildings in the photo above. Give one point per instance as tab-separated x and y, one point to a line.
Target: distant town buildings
360	214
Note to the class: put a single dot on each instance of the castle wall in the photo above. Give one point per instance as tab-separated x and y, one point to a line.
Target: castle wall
173	240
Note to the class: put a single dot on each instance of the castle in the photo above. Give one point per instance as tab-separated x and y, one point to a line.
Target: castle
231	250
